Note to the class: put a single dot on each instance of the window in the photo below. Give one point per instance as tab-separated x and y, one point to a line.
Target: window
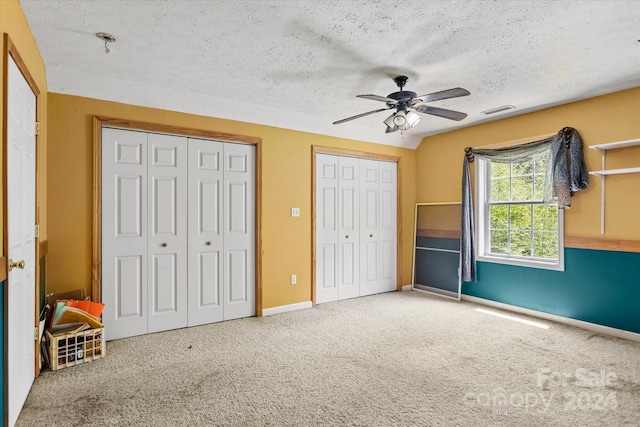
514	225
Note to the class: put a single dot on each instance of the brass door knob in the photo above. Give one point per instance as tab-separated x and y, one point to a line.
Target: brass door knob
17	264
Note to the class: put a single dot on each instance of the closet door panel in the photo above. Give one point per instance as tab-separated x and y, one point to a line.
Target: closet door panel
348	227
388	191
124	232
165	283
206	245
130	290
167	242
326	228
369	225
239	231
239	286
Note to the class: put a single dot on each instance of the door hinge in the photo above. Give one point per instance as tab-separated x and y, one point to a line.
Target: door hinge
37	231
37	128
36	333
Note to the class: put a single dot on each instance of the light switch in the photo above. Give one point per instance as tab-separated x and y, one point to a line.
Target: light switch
295	212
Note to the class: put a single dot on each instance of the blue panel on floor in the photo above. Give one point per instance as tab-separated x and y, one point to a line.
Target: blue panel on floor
601	287
437	269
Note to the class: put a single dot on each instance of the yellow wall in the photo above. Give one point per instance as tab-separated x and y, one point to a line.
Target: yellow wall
599	120
14	23
286	182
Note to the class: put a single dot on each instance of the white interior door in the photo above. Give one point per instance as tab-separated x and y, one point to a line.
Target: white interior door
178	232
21	189
124	232
356	227
348	227
369	225
206	244
326	228
167	237
239	231
388	226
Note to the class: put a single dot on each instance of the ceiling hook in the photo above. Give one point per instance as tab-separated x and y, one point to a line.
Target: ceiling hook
108	38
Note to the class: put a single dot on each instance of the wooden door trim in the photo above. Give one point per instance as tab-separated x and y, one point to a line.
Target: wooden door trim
10	50
99	123
316	149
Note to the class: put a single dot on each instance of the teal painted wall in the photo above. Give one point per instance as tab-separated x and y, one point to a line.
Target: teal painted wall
601	287
2	355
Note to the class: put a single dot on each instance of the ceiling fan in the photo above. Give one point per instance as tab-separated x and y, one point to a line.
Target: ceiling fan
405	102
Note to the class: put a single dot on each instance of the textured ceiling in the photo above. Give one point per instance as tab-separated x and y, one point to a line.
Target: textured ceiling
300	64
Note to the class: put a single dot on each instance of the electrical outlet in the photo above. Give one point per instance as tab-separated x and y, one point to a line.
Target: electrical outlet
295	212
294	279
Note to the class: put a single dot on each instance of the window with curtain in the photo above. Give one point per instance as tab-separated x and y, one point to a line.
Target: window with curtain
515	226
521	193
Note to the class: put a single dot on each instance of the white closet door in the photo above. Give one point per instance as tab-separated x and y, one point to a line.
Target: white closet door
21	208
387	240
205	232
326	228
167	241
369	225
348	227
124	232
239	296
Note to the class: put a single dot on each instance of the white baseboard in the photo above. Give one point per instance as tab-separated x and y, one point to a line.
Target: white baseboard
619	333
285	308
407	287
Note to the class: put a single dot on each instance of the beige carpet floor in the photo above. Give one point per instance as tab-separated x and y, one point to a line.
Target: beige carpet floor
396	359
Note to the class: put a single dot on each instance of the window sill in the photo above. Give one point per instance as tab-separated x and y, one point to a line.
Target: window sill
521	262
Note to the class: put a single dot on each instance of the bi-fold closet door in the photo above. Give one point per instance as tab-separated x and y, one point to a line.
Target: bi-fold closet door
178	237
356	216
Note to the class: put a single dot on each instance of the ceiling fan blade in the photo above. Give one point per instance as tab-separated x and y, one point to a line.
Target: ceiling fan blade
389	130
441	112
360	115
444	94
378	98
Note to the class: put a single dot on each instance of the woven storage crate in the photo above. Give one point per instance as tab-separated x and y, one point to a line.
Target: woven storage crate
76	348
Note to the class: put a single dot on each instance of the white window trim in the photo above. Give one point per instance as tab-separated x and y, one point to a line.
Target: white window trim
482	229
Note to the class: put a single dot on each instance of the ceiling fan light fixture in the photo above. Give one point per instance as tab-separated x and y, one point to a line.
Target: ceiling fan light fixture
413	119
389	121
404	100
400	119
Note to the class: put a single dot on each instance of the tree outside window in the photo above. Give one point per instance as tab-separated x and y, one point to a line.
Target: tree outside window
515	226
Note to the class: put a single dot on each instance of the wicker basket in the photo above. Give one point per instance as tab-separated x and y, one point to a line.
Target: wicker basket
76	348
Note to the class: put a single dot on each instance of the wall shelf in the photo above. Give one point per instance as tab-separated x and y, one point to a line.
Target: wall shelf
615	171
604	172
614	145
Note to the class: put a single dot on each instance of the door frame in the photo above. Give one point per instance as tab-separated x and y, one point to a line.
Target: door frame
11	51
318	149
99	123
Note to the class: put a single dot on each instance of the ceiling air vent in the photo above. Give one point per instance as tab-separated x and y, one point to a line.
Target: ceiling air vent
498	109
